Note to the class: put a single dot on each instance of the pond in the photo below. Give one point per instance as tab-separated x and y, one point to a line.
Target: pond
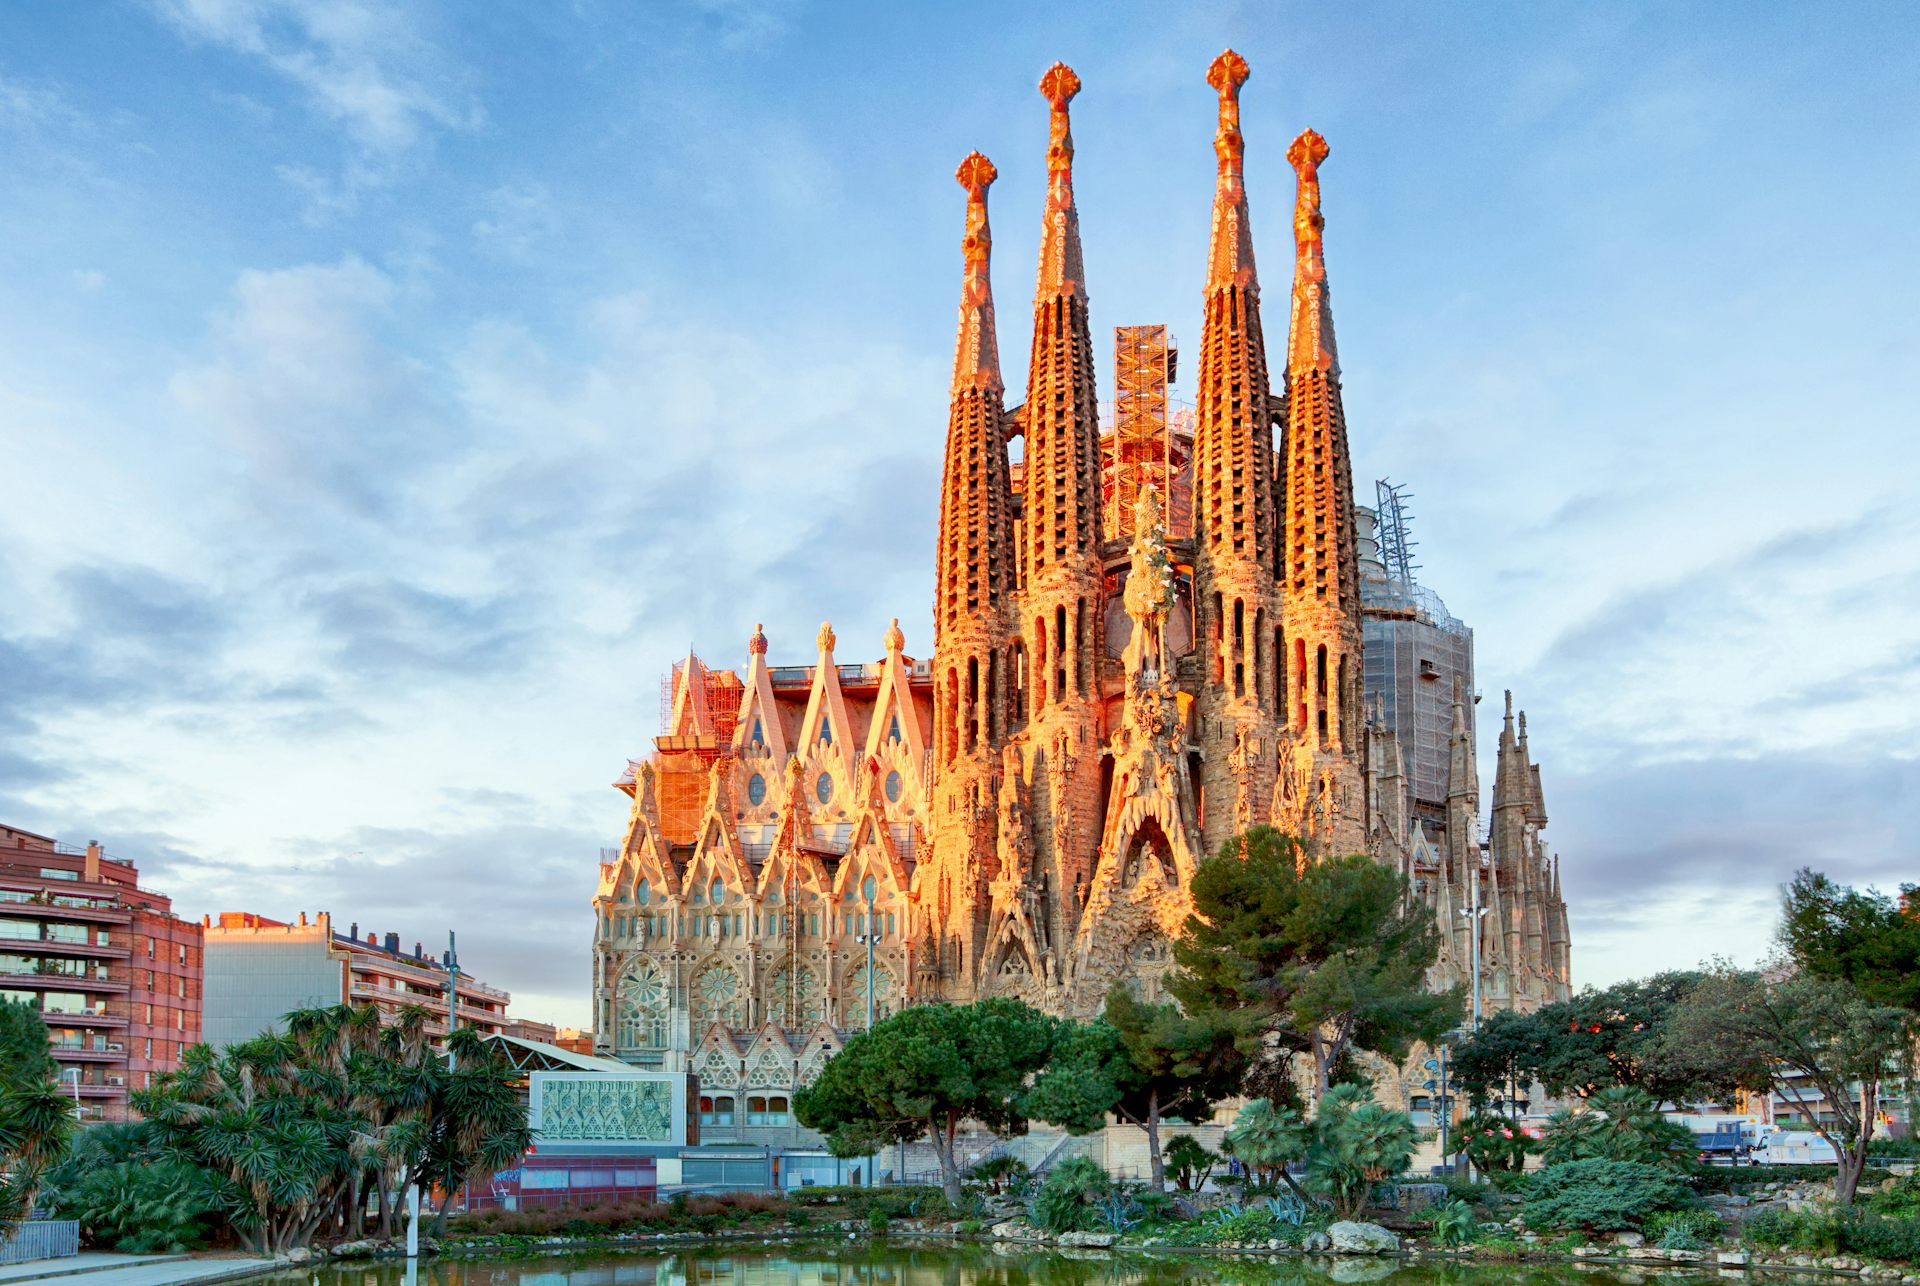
973	1264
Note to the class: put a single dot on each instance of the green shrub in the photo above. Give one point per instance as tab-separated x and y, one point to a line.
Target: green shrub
1002	1172
1620	1124
1493	1143
1901	1201
1602	1196
1895	1149
1189	1162
143	1208
877	1220
1454	1224
1257	1224
1067	1199
1693	1229
1356	1144
1829	1232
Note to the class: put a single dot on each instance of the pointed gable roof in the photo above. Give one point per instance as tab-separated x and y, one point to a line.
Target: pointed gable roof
757	706
827	705
895	701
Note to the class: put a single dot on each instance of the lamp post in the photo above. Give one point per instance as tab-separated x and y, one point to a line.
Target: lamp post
453	994
1473	911
867	888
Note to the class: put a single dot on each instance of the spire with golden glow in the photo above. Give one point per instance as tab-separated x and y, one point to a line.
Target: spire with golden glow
1061	479
975	553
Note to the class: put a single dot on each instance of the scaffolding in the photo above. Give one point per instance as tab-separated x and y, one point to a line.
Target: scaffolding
1143	450
695	732
1396	544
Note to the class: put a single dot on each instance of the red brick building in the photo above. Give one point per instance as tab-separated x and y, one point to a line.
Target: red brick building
109	967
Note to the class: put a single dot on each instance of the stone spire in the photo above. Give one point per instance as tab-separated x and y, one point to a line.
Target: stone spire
976	504
1239	701
1463	791
1063	581
1318	569
1062	457
1233	429
1512	786
972	623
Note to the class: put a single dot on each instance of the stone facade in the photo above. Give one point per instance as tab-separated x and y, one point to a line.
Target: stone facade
1021	814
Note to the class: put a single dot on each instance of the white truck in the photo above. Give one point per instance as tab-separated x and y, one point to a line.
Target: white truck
1794	1147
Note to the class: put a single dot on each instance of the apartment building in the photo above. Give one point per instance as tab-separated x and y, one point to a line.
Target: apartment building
259	969
113	972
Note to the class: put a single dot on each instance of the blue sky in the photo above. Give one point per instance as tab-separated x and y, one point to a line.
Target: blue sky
389	394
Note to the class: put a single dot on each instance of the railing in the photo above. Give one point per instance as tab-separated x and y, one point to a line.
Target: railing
41	1239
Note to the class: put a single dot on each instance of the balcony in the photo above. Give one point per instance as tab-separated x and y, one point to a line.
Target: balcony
118	950
86	1054
99	1018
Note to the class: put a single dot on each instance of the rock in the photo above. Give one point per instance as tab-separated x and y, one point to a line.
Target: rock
299	1255
1089	1240
1317	1243
1631	1240
354	1249
1731	1259
1737	1201
1352	1237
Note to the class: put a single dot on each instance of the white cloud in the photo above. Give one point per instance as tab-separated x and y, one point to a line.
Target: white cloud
359	63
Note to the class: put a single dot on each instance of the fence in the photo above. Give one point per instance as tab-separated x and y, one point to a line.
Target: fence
41	1239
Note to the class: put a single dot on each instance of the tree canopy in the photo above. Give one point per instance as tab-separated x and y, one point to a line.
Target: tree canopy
297	1128
1314	958
1603	1037
1818	1042
924	1071
1868	939
1143	1062
36	1122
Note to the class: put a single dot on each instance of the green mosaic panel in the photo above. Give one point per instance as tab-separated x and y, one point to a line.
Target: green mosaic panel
638	1110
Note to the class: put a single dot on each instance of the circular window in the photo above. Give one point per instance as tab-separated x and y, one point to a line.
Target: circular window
643	892
823	789
893	787
717	892
756	789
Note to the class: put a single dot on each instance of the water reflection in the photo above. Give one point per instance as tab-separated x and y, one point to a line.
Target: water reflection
895	1264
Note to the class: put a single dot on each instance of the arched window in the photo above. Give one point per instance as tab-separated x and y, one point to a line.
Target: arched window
756	789
717	892
894	785
718	998
642	891
642	1007
823	788
826	730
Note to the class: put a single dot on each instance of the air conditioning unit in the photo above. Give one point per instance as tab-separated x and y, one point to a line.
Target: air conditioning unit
116	1080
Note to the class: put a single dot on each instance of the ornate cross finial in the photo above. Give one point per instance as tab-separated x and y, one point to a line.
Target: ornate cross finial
1059	86
1226	74
825	638
1061	268
1305	156
976	359
757	644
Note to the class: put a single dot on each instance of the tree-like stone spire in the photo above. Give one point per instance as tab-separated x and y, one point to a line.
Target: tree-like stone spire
1230	256
976	355
1311	346
1062	271
1062	472
976	505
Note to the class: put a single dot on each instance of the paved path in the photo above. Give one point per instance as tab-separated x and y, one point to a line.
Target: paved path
92	1269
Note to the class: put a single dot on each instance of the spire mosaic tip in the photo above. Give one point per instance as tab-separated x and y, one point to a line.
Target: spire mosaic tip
976	174
1061	265
1059	85
757	642
1227	73
976	362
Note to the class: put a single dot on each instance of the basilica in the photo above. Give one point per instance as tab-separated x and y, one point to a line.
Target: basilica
1149	635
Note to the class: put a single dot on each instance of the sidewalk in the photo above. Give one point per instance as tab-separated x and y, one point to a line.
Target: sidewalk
95	1269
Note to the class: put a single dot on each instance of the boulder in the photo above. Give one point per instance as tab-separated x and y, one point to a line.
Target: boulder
1089	1240
1352	1237
1317	1243
1631	1240
1731	1259
355	1249
299	1255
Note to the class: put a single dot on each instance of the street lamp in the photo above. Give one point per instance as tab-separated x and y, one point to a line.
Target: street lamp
1473	911
867	890
79	1113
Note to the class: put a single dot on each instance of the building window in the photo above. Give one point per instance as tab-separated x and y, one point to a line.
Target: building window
893	786
716	1109
826	731
769	1110
823	788
149	1047
756	785
643	891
